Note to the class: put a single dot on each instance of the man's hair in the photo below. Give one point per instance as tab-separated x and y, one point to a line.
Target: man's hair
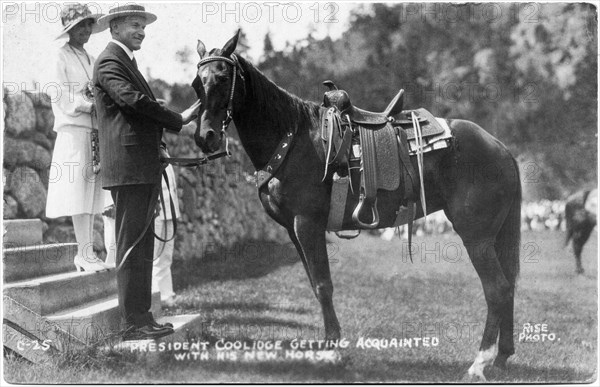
113	23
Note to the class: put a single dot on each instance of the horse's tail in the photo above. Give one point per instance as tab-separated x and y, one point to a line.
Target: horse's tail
508	240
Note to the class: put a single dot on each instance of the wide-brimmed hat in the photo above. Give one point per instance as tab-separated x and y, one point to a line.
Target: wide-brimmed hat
125	10
73	14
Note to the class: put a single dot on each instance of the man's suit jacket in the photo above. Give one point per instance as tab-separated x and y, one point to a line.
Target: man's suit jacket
130	121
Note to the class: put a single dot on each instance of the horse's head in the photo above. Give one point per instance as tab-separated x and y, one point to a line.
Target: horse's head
219	84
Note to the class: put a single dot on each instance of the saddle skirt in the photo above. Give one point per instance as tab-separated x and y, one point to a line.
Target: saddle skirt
435	131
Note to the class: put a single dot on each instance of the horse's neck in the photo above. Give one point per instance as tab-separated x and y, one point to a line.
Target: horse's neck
259	143
267	116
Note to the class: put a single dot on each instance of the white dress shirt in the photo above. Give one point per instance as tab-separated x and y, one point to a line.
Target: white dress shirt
124	47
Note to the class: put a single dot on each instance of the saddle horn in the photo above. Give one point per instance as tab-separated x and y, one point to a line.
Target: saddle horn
330	85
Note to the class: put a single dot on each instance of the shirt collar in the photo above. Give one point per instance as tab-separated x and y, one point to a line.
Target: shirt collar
124	47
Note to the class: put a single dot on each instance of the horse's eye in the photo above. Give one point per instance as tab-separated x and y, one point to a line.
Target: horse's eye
221	78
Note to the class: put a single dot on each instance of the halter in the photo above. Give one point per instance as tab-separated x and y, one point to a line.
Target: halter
196	162
234	64
264	174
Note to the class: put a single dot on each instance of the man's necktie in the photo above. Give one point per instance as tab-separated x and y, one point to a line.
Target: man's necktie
134	63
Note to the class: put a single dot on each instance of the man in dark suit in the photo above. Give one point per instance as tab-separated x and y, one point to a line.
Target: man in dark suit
130	126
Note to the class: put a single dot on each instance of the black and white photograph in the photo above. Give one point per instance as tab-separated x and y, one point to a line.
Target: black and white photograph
305	192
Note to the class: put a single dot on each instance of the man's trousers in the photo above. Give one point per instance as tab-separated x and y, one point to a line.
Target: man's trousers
134	206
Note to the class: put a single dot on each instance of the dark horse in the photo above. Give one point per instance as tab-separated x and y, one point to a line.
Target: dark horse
476	182
580	215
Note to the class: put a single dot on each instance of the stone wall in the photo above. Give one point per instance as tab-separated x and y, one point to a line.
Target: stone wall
218	202
28	143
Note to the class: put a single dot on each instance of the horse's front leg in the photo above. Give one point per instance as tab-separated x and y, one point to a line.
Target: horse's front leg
313	247
580	236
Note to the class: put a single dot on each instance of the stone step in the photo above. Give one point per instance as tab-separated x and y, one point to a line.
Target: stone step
50	294
75	328
21	263
26	344
22	232
96	321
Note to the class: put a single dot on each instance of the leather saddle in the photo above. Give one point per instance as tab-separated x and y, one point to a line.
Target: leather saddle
341	100
372	149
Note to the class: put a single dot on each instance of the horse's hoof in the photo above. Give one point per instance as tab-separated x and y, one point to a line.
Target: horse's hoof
473	378
332	356
500	362
333	336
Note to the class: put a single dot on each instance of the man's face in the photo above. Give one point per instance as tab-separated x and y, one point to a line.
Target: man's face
130	32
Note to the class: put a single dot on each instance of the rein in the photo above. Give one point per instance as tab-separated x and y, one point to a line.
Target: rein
193	162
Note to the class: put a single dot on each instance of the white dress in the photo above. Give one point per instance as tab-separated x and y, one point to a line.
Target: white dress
162	280
73	186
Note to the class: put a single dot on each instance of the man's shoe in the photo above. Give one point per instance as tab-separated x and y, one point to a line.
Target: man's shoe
156	324
147	332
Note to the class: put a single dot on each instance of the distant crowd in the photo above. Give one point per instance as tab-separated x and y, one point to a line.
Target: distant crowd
535	216
543	215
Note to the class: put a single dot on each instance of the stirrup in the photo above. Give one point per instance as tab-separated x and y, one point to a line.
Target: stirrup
375	214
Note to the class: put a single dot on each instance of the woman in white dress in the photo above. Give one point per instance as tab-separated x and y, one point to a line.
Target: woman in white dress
75	187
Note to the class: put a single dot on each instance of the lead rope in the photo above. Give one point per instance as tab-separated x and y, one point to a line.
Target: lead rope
419	139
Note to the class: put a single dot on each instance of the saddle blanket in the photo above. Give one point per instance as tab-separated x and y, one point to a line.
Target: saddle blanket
431	143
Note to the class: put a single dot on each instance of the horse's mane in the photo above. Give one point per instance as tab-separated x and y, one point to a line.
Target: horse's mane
274	106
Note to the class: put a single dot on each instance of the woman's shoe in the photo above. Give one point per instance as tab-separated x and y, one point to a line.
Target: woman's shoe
90	264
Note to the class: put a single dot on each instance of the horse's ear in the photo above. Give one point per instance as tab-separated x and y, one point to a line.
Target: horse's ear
230	46
201	48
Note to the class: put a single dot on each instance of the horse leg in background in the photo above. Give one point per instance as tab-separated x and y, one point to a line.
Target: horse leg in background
313	247
581	234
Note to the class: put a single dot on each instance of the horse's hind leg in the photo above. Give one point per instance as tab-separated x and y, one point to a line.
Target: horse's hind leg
311	239
498	295
580	236
506	341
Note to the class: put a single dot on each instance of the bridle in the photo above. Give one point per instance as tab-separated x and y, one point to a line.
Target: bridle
264	174
196	162
235	64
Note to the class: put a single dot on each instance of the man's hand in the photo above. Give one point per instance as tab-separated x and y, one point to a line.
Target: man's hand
190	113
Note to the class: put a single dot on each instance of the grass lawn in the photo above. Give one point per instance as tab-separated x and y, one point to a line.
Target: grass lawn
379	293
